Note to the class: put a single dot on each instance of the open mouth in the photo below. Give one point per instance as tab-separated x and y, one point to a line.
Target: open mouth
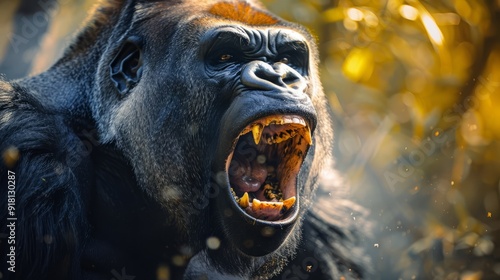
264	164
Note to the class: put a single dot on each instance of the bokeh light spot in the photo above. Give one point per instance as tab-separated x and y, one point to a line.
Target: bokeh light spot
408	12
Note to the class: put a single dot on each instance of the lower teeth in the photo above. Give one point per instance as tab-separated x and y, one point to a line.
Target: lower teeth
273	192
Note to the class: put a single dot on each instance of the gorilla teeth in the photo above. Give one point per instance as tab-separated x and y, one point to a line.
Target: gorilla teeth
273	192
307	135
288	203
244	201
291	126
257	133
277	129
258	205
265	207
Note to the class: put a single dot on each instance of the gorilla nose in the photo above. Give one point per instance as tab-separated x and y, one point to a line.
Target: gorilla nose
279	76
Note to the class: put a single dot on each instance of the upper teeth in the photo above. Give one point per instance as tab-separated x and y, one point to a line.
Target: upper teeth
296	125
257	132
307	135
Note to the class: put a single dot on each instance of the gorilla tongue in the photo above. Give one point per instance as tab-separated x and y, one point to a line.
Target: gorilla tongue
247	175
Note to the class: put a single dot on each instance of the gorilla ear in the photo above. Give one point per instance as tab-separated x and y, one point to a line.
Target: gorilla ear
126	67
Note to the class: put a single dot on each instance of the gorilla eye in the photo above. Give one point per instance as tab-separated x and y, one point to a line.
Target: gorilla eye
225	57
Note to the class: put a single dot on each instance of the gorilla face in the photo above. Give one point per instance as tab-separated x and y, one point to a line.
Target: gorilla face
227	144
264	134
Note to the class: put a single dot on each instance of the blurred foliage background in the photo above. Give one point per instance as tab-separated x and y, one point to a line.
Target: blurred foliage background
414	87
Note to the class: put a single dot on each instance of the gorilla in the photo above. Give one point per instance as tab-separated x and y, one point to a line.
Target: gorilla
175	140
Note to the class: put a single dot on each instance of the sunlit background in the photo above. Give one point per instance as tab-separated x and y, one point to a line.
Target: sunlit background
415	90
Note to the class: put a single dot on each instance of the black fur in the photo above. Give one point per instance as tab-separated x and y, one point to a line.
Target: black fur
114	169
52	194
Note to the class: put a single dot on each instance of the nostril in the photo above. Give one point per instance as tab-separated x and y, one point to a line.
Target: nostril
269	75
289	76
290	79
260	75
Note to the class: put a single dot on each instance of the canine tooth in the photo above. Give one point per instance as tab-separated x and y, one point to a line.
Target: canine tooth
307	135
257	133
288	203
244	201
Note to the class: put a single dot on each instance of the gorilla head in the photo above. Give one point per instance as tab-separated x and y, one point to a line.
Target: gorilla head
214	117
216	106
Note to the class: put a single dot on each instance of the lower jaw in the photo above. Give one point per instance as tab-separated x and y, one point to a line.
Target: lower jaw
253	236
